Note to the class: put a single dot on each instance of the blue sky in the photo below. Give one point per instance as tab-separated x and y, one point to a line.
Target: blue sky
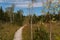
23	5
36	10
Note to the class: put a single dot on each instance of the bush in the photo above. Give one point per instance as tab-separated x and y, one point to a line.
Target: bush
40	34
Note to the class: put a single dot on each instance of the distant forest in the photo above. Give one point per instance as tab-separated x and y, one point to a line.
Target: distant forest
9	16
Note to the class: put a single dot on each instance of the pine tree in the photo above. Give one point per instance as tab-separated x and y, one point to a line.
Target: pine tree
1	14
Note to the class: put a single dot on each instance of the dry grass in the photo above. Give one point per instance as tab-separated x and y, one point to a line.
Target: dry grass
55	30
26	33
7	31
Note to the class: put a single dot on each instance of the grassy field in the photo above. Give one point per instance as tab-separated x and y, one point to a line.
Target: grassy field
55	30
7	31
26	33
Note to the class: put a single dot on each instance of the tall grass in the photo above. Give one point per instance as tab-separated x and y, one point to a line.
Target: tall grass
43	31
38	34
7	31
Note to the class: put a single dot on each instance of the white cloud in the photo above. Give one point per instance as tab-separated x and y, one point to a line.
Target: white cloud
26	5
15	1
37	4
55	1
22	3
1	0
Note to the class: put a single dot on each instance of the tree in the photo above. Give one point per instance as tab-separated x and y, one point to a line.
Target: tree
1	14
19	17
6	17
35	19
10	13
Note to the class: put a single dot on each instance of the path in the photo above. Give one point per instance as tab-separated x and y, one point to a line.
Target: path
18	33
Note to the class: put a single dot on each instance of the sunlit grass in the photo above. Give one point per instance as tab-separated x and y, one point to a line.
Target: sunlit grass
7	31
26	34
55	30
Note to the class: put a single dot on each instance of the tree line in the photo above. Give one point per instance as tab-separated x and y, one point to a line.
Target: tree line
18	17
11	17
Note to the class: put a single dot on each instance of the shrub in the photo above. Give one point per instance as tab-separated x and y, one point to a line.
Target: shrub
40	34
